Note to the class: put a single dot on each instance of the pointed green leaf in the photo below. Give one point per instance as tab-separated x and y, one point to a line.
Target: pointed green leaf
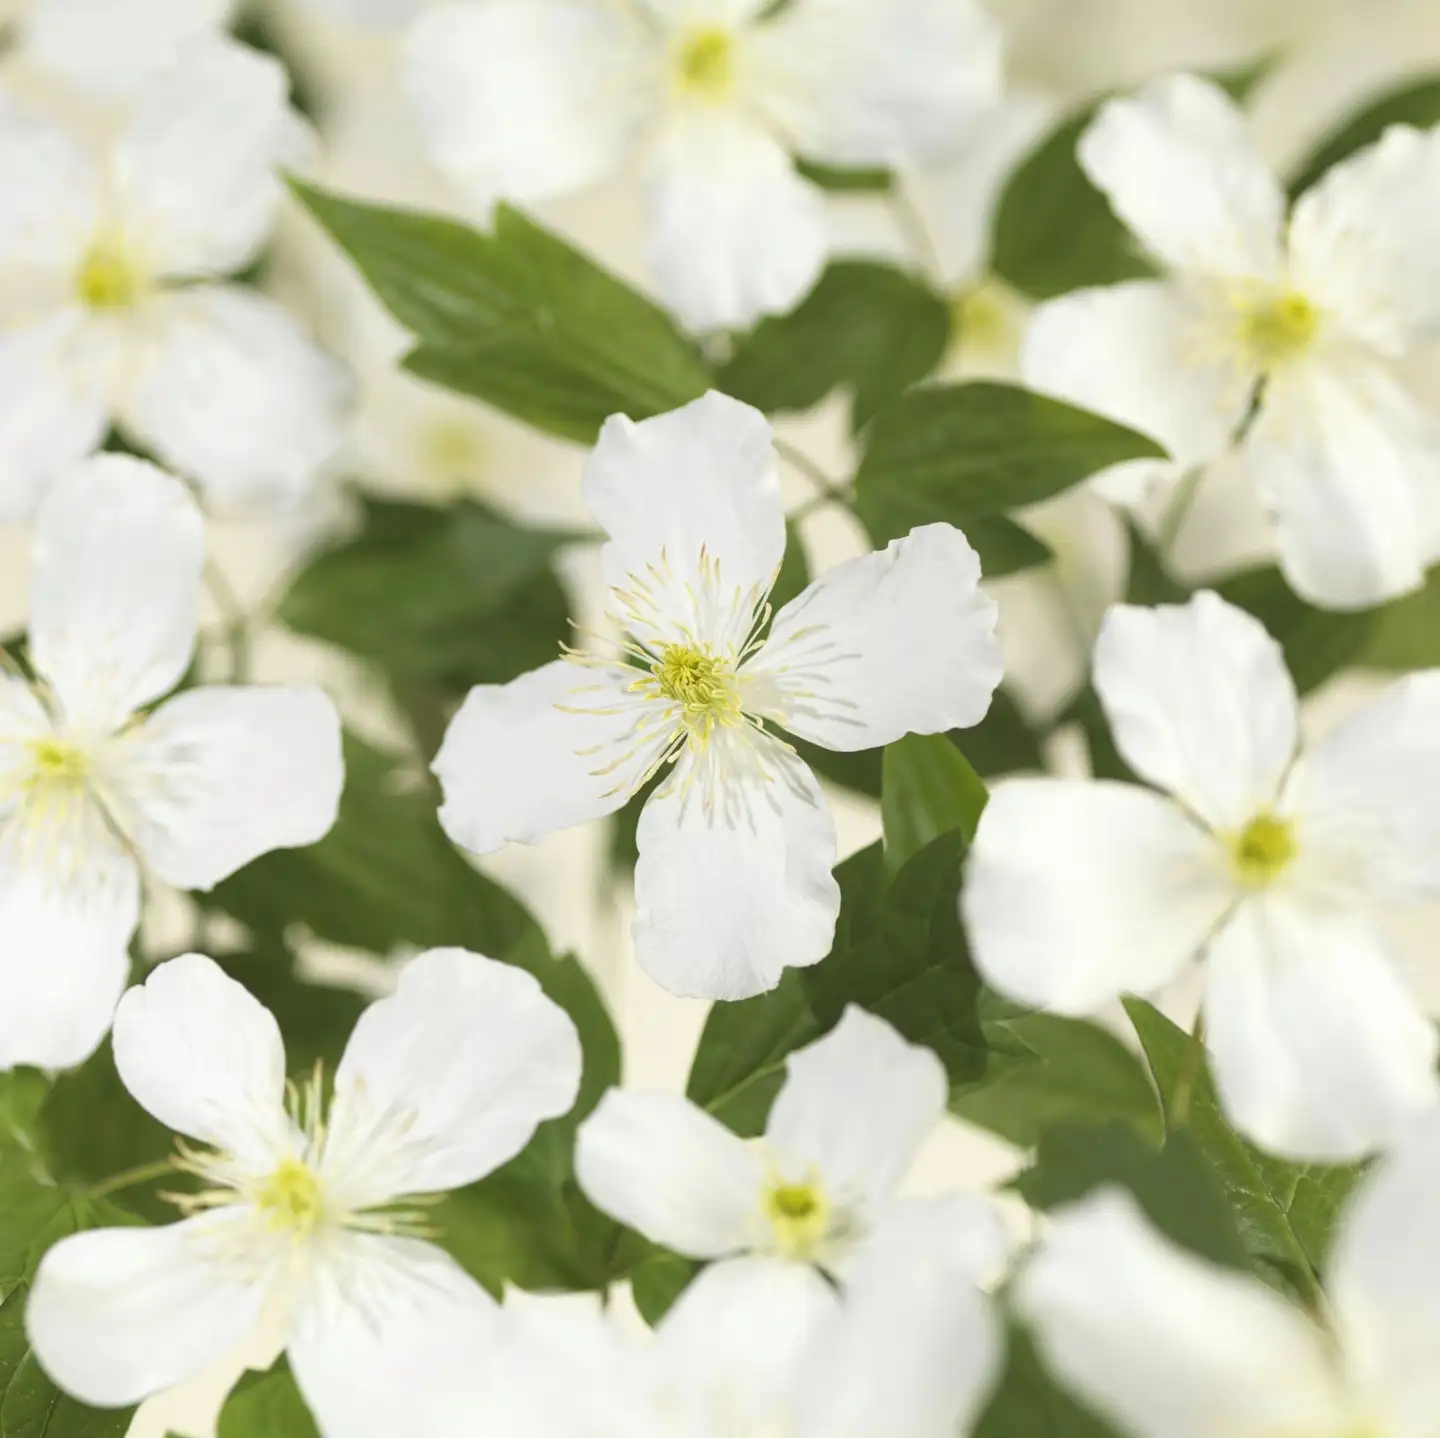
267	1405
929	789
1413	102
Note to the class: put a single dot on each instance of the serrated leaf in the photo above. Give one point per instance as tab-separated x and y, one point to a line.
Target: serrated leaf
1285	1212
865	326
267	1405
1028	1403
928	789
957	453
1413	102
517	317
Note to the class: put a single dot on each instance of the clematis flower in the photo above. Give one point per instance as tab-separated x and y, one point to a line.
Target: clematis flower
115	48
317	1217
528	99
733	882
815	1194
111	310
1269	861
1287	336
93	788
1170	1346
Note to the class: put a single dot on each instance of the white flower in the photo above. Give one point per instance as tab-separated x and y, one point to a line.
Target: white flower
1169	1346
118	47
815	1194
733	883
93	787
439	1085
110	306
1269	861
526	99
1313	317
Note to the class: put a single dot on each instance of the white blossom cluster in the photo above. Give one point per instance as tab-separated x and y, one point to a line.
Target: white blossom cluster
455	1223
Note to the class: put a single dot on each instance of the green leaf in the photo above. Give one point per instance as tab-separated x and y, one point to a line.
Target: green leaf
457	595
35	1214
1406	632
1080	1073
954	453
658	1280
865	326
267	1405
872	180
23	1093
1318	643
1004	547
1286	1212
1414	102
929	789
517	317
1150	580
1002	742
384	878
1174	1184
1029	1404
31	1406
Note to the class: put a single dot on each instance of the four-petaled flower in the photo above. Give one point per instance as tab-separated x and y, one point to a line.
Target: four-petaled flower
733	882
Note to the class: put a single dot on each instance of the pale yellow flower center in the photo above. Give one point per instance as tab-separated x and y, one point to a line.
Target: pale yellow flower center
1278	328
1262	850
291	1199
705	63
111	276
702	683
799	1216
57	764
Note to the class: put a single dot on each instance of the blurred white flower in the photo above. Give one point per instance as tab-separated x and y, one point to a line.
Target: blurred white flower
111	307
368	12
816	1192
1266	860
1169	1346
93	788
1290	335
439	1085
118	47
733	883
527	99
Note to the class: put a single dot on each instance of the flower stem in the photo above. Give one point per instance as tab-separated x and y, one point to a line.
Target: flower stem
831	491
235	623
144	1173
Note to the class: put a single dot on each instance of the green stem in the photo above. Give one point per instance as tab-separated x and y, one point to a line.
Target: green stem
1189	1075
161	1168
831	491
234	621
1167	532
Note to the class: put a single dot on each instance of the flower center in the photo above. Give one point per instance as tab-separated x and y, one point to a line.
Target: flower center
701	683
1278	328
1262	850
291	1199
705	63
110	277
57	764
799	1215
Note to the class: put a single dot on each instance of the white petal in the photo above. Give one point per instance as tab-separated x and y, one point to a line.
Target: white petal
1178	165
49	195
1135	353
551	749
1217	1352
1350	464
64	959
879	82
1383	1282
734	233
1365	241
894	643
115	591
527	98
733	883
235	396
449	1077
120	1313
1363	796
1078	892
664	1167
202	1055
219	776
1319	1048
691	502
1200	703
118	47
856	1106
53	412
195	174
400	1340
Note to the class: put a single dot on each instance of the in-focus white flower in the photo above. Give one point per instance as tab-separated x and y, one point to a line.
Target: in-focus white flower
525	99
118	47
815	1194
95	788
733	883
321	1213
1289	334
1169	1346
111	310
1269	861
